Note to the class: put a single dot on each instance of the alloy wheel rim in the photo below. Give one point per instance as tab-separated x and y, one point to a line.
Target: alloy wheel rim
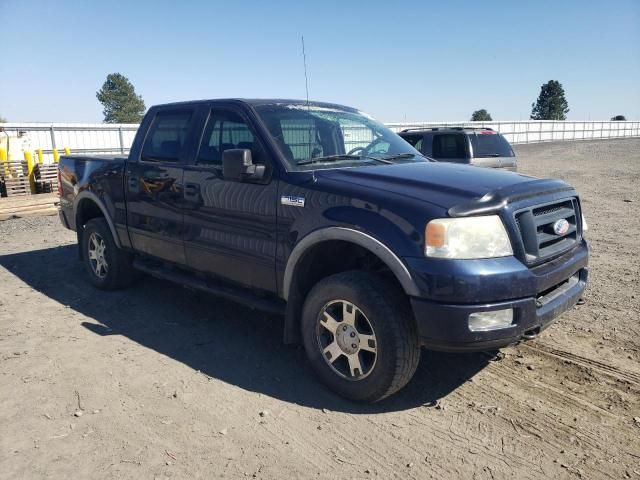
97	258
346	340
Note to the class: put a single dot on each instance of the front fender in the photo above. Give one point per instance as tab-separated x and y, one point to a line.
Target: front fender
375	246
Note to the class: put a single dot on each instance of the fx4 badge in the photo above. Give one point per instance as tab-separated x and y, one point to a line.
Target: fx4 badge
292	200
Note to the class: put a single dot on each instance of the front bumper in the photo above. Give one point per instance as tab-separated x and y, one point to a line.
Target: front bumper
537	296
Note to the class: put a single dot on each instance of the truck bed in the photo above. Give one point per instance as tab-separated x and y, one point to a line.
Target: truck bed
102	175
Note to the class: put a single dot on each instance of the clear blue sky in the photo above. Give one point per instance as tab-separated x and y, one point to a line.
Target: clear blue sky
411	60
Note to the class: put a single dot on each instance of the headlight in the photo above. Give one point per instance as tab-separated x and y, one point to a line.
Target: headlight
470	237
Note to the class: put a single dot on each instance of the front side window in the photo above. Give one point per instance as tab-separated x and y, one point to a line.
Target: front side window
314	136
226	130
166	136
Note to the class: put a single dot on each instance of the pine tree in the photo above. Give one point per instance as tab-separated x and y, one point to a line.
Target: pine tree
551	103
120	101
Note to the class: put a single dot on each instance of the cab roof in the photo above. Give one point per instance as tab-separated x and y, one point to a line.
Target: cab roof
255	102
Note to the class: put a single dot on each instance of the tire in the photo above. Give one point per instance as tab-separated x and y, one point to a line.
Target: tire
367	313
99	248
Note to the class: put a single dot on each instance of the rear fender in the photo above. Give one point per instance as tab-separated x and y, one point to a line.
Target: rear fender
87	196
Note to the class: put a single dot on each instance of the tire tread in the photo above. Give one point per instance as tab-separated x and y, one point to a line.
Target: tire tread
392	303
121	272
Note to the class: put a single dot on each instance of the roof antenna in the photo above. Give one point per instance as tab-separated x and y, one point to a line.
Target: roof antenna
306	78
306	86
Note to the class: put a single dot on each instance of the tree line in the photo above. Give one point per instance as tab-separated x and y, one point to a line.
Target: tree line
550	105
121	103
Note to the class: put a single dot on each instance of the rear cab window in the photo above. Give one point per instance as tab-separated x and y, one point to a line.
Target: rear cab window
487	143
300	138
167	136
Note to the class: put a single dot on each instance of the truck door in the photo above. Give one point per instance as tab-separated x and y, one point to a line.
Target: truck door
230	226
153	185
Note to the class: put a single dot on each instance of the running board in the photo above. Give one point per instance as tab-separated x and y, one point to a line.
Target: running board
235	294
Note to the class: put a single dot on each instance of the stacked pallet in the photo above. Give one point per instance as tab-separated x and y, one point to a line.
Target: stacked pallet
14	178
16	186
29	206
46	177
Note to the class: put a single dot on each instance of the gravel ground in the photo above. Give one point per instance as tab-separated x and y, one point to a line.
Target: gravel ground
157	382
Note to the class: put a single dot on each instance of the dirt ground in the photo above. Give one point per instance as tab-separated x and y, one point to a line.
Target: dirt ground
156	381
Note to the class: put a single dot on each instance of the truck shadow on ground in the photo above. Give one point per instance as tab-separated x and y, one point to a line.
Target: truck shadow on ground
220	339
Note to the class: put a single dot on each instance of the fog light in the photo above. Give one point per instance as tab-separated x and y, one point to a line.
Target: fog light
491	320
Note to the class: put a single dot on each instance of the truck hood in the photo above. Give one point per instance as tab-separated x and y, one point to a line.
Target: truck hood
453	185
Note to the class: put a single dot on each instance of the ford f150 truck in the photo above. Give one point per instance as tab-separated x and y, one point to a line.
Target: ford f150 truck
320	213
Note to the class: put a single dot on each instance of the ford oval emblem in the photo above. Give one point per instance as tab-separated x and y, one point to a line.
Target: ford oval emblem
561	227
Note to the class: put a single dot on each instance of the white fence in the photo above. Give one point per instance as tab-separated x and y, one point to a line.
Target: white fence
90	138
117	138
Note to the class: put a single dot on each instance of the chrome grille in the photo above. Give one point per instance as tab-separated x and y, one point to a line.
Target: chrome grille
536	227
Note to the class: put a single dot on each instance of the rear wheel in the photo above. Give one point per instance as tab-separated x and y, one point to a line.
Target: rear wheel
360	336
108	266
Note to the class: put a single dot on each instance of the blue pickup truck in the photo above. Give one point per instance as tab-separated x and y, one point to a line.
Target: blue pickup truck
318	212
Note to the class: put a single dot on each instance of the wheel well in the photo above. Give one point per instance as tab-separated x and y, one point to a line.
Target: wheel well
336	256
87	210
322	260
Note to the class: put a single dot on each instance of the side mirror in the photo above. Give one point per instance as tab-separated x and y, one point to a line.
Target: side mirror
237	164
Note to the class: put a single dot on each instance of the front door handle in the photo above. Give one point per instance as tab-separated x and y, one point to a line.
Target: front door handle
133	183
191	191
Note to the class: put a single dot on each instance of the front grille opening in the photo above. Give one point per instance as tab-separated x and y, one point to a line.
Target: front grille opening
552	289
547	235
553	292
548	230
546	210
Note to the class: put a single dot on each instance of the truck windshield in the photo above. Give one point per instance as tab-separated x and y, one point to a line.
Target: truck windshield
490	145
314	137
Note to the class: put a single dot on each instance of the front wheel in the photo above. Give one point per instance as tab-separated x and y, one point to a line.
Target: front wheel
360	336
108	266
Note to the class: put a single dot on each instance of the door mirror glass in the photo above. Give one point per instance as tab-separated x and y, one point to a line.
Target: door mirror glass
238	165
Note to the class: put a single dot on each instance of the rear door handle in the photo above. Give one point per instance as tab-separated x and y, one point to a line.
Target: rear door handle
133	183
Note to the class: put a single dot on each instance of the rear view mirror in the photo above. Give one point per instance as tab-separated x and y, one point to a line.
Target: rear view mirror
237	164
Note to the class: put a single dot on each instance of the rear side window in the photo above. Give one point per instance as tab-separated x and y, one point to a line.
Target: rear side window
490	145
166	136
226	130
449	145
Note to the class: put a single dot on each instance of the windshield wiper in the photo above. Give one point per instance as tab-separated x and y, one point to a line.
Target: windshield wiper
398	156
337	158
